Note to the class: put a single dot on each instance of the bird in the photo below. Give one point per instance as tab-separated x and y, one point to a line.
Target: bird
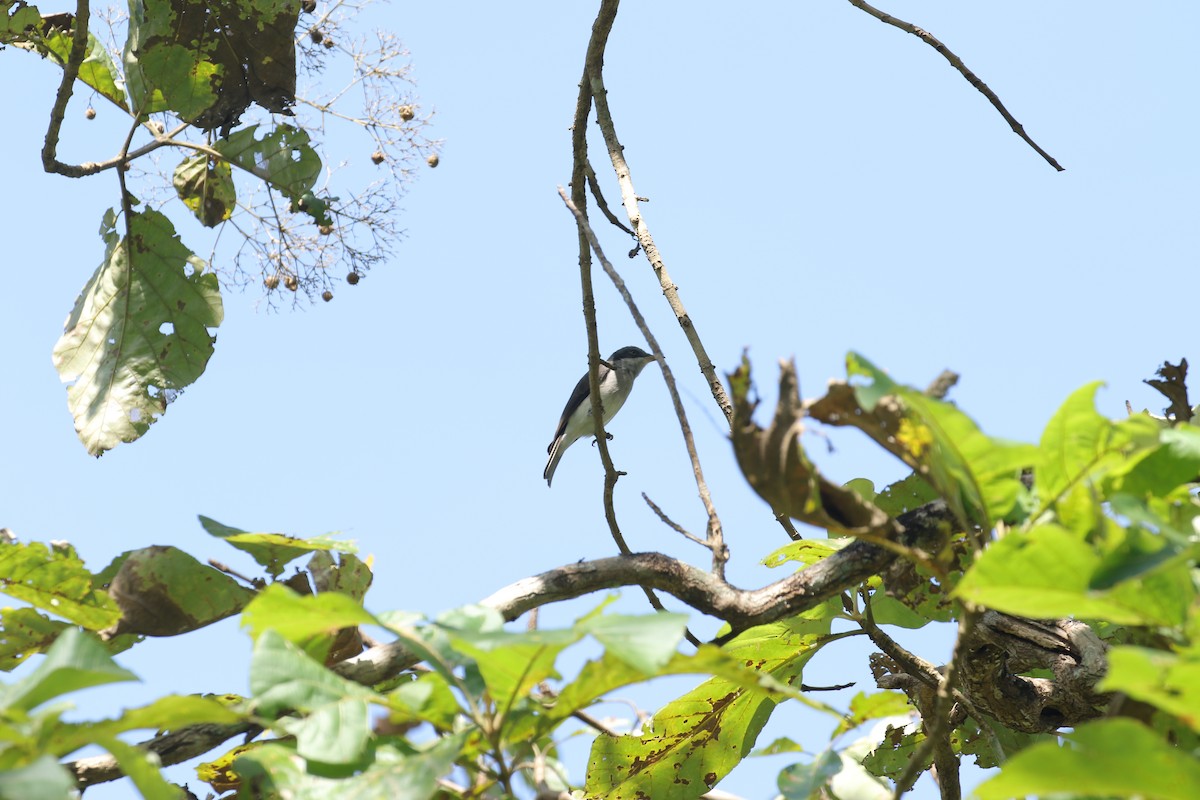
615	385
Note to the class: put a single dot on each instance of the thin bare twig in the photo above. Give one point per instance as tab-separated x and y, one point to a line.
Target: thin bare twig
578	200
257	583
670	523
601	203
958	64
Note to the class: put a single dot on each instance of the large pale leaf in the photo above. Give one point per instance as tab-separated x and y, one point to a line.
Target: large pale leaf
139	332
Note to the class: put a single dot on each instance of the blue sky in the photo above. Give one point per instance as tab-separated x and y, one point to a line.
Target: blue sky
818	183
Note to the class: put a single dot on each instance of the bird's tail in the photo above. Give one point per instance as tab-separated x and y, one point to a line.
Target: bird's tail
556	454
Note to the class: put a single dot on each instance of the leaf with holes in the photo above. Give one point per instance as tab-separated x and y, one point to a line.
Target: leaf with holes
139	332
205	186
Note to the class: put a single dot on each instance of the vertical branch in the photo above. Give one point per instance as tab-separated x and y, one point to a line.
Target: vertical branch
629	198
79	41
583	108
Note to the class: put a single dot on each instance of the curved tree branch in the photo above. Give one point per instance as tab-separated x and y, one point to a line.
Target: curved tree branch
956	62
58	112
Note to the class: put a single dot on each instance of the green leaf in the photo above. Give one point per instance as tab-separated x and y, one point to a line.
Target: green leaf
511	664
75	661
865	707
801	781
896	748
274	770
348	575
978	476
138	334
645	642
1079	445
1174	462
25	632
206	187
993	747
696	739
283	677
43	779
781	745
890	611
1047	572
168	69
163	591
334	733
1111	758
806	551
56	581
301	618
166	713
209	61
184	79
283	157
143	768
175	711
1166	680
607	673
905	495
472	619
273	551
97	70
14	19
428	699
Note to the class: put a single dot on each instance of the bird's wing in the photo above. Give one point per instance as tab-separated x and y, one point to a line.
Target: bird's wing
577	396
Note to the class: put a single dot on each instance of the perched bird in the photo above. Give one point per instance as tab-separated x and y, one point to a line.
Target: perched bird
615	384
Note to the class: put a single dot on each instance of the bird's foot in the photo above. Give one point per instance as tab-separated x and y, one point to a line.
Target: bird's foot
607	436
